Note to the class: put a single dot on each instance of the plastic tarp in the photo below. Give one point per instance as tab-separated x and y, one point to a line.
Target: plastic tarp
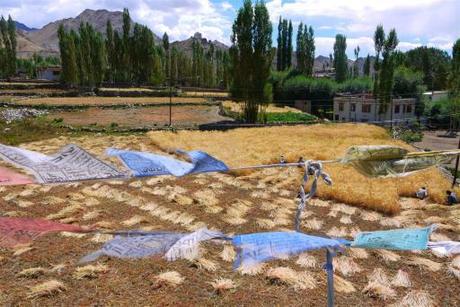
397	239
385	160
10	177
259	247
187	246
15	231
71	163
445	248
136	246
148	164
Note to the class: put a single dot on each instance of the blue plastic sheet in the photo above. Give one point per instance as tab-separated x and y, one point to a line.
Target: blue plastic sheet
136	246
259	247
397	239
147	164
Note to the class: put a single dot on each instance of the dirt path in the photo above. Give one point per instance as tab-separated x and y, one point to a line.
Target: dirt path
432	141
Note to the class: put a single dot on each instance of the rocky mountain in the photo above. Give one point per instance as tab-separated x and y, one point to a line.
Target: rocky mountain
45	40
187	45
23	27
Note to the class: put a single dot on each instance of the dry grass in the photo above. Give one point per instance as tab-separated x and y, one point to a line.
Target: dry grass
401	279
228	253
342	285
48	288
32	272
346	266
241	147
253	269
425	263
19	250
90	271
359	253
285	275
415	298
222	284
171	278
307	261
388	256
378	290
313	224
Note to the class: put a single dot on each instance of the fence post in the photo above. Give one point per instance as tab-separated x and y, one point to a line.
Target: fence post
330	277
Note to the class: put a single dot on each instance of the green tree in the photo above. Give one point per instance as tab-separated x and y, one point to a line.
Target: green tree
251	57
367	66
433	62
280	46
355	66
289	47
379	40
386	72
340	58
111	52
305	49
454	77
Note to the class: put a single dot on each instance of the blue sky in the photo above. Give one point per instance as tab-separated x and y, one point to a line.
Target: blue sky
418	22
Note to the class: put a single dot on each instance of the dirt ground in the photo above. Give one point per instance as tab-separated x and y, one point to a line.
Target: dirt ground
269	201
141	117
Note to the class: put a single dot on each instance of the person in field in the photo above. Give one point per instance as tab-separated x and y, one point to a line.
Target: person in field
451	198
422	193
282	159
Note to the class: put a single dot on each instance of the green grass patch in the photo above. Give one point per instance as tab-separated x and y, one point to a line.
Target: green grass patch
289	117
29	130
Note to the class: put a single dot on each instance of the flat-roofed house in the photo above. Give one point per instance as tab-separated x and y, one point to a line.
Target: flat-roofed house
365	109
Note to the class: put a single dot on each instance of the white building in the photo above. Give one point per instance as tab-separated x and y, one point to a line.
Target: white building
435	95
365	109
51	73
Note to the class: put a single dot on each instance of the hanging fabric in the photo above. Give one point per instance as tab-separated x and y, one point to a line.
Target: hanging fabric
71	163
148	164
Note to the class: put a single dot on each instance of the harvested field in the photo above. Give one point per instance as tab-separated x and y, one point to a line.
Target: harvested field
238	107
317	142
141	117
204	94
29	92
46	273
106	101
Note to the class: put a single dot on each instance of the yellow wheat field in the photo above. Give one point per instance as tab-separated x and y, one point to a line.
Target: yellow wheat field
244	147
238	107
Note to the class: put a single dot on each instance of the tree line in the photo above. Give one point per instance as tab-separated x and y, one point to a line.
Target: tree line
132	57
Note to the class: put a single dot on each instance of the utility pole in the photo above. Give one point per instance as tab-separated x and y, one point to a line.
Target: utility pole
170	88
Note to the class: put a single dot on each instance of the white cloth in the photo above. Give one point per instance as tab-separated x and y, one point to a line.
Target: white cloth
187	246
445	248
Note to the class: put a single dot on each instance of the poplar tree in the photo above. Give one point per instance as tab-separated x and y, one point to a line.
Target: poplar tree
367	66
251	57
280	46
340	58
111	52
384	77
379	40
289	49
